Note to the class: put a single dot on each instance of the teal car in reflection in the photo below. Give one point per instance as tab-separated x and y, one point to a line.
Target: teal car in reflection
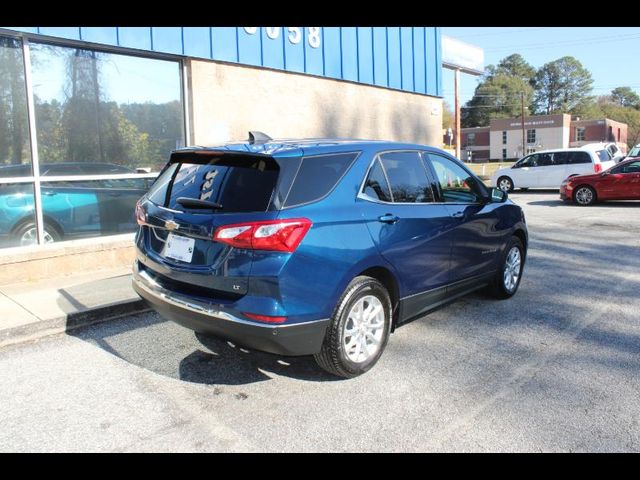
71	209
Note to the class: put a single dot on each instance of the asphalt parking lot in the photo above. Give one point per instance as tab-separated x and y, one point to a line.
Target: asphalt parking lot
556	368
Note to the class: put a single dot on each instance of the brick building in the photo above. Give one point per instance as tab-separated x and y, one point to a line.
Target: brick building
502	139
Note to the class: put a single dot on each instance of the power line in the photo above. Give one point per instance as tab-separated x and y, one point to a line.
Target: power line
568	43
503	32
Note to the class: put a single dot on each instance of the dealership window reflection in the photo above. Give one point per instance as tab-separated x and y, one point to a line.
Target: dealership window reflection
104	116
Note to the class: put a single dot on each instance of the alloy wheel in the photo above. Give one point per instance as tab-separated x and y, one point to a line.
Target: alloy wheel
364	329
512	269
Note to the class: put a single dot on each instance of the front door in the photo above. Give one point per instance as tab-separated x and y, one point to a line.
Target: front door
478	236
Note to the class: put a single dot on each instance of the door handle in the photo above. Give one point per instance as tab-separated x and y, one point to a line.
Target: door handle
459	214
48	193
388	218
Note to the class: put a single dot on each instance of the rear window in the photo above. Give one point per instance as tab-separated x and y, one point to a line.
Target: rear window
603	155
317	176
239	183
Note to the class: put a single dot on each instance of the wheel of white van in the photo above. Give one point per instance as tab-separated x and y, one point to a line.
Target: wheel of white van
27	234
584	195
507	279
505	184
359	329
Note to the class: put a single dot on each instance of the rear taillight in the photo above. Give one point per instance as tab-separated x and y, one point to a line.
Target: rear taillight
277	235
141	215
597	167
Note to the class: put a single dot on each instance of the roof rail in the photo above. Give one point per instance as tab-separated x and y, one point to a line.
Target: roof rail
256	137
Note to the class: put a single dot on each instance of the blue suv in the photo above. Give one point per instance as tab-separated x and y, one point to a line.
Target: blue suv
320	247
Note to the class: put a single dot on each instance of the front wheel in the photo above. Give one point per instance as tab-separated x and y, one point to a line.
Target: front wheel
359	329
507	280
584	195
26	234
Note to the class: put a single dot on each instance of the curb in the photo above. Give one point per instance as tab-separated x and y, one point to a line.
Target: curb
44	328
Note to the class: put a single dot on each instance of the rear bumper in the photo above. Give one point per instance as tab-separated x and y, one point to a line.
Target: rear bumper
229	324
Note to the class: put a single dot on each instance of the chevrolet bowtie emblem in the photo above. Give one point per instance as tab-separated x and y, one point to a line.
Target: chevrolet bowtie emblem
171	225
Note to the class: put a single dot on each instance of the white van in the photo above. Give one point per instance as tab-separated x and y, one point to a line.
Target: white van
548	168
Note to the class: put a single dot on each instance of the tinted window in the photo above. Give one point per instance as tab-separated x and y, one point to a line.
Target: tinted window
317	177
530	161
407	177
633	167
635	151
456	184
545	159
376	185
560	158
578	157
603	155
239	184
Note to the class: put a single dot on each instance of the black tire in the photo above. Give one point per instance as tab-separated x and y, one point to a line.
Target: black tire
333	356
498	289
584	195
505	184
52	234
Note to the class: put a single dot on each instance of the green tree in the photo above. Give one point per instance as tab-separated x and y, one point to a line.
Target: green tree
626	97
514	66
561	86
498	95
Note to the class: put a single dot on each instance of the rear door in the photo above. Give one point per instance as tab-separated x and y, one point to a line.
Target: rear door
548	174
177	240
410	229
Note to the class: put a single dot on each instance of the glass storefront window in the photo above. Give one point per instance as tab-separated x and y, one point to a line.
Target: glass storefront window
105	109
15	151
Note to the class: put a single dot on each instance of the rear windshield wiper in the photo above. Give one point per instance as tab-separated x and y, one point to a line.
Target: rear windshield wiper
196	203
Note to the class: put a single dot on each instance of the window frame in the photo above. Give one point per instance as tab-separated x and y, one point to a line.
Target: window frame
533	132
436	182
363	196
581	132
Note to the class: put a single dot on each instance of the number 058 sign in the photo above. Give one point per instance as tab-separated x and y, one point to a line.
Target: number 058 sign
294	34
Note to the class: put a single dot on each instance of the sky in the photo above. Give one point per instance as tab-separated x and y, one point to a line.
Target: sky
608	53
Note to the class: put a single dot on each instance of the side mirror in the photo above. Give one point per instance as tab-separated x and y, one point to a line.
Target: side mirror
604	174
498	196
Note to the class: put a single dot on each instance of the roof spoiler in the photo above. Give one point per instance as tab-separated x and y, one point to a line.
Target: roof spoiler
256	137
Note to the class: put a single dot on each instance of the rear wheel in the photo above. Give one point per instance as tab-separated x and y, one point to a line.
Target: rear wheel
584	195
359	329
505	184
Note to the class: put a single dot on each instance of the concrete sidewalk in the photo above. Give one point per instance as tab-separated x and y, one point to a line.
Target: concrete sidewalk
30	310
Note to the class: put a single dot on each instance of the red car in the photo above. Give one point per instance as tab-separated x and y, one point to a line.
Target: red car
620	182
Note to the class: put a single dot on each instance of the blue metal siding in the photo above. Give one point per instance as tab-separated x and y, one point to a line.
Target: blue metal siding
332	52
365	55
104	35
394	65
380	64
406	58
349	54
197	42
419	61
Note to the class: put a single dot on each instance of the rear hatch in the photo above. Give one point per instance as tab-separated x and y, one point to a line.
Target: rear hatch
197	192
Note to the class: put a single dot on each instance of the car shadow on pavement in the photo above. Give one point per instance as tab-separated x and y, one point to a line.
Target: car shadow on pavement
229	364
165	348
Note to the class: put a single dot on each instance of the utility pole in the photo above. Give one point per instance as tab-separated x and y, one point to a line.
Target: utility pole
457	108
524	148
